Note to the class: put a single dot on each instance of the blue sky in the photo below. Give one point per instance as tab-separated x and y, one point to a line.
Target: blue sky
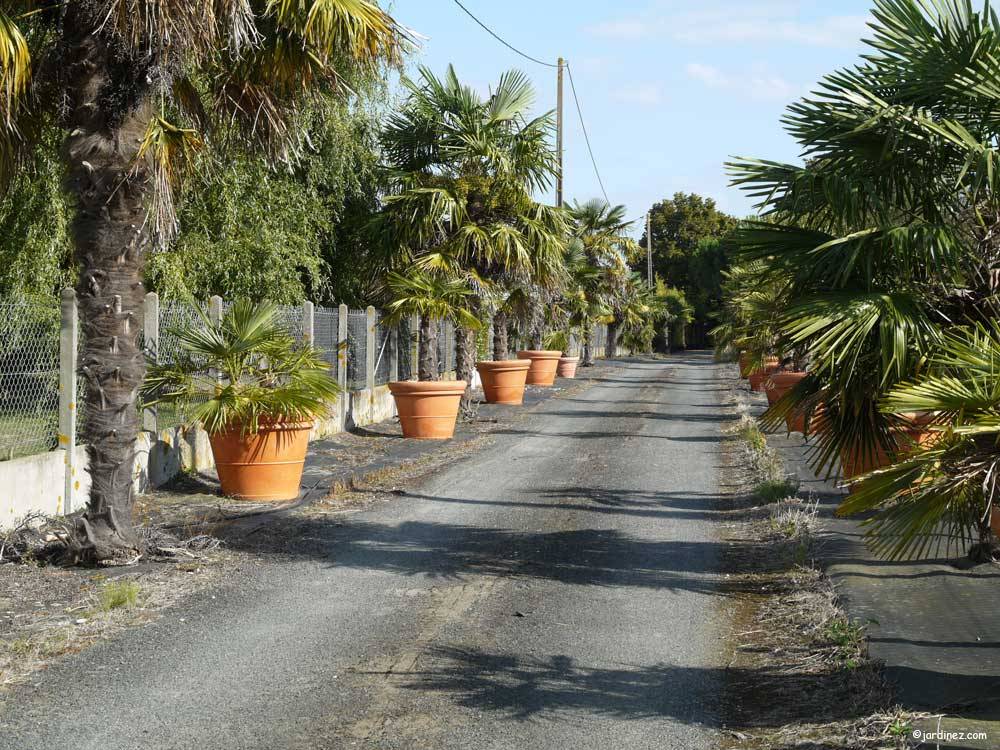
670	88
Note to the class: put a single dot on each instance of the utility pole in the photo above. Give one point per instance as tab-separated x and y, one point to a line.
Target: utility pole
649	248
559	135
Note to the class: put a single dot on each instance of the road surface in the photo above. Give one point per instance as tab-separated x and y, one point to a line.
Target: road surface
556	590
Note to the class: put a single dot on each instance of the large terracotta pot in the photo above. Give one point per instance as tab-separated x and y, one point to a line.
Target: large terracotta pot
428	410
567	367
776	387
914	432
503	382
781	382
757	377
543	366
264	465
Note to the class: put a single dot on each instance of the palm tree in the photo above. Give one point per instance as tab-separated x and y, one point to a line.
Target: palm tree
941	494
139	87
886	236
603	232
465	167
434	297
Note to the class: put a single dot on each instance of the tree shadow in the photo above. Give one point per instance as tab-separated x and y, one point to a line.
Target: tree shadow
580	557
559	687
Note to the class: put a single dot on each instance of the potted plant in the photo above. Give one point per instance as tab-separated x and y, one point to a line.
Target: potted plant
428	407
567	363
503	379
255	391
758	375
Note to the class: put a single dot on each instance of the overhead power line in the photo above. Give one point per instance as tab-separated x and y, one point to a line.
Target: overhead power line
586	135
503	41
576	97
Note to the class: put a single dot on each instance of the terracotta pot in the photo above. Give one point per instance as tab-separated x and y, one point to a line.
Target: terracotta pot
264	465
777	385
781	382
757	377
503	382
913	433
567	367
543	366
428	411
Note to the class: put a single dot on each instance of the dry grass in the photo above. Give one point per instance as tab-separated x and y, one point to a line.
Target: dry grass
800	675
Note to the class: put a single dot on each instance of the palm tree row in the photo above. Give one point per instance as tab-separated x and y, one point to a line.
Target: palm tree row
141	91
465	169
874	265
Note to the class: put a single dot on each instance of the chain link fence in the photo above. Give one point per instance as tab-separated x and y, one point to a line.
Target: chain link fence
383	352
29	360
326	333
407	367
357	348
29	378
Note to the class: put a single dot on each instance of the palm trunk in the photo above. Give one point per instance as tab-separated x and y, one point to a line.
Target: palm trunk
611	347
465	356
427	367
501	347
588	355
108	114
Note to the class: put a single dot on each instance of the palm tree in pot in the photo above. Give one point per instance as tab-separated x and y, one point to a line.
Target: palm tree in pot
464	169
428	407
255	390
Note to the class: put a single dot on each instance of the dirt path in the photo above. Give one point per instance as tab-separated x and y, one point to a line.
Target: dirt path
557	590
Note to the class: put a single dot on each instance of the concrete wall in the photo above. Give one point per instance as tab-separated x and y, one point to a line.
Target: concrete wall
36	484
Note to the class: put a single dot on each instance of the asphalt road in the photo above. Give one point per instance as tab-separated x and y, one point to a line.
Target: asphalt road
556	590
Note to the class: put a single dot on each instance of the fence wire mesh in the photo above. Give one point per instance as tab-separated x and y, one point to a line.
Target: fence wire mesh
175	316
29	378
407	367
289	317
357	348
326	327
383	352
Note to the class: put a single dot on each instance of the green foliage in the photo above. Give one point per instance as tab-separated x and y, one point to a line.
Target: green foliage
118	595
775	490
865	255
948	483
243	371
689	249
35	248
464	168
430	296
250	230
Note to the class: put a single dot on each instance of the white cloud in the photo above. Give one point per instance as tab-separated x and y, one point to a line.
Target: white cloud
753	21
707	74
756	83
646	95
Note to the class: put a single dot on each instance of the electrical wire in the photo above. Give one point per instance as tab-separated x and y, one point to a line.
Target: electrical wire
503	41
572	83
586	135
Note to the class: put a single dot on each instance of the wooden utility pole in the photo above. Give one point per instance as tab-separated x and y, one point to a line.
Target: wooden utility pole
559	134
649	248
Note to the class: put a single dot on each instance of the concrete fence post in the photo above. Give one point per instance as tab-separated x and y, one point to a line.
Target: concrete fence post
215	308
342	329
151	344
414	344
69	338
308	323
371	354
